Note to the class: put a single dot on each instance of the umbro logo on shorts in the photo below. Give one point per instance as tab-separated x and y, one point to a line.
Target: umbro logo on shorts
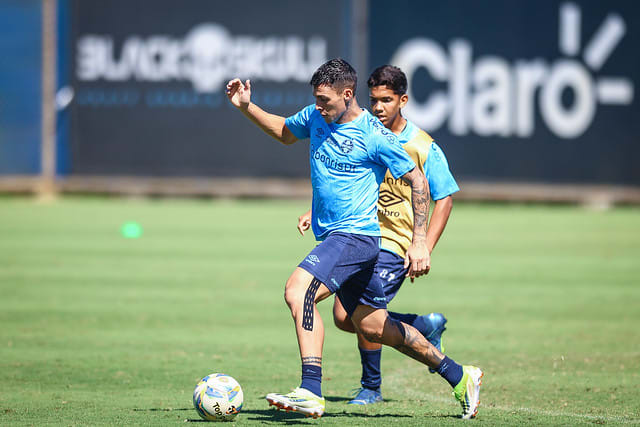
312	259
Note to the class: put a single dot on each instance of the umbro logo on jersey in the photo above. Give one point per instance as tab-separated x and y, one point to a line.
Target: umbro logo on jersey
387	198
319	132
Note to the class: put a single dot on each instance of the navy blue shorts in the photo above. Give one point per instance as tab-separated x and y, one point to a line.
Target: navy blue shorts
389	272
345	264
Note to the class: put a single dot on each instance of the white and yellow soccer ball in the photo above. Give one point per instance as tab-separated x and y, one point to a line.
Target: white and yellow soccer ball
218	397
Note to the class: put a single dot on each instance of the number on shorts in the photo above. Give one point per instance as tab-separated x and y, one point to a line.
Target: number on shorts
386	275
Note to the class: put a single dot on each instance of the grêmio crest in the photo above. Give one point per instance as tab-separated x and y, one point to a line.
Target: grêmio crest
346	146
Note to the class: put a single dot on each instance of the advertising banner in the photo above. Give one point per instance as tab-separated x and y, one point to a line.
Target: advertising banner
148	82
515	90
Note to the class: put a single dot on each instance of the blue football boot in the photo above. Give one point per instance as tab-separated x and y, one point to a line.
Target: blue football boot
433	324
366	396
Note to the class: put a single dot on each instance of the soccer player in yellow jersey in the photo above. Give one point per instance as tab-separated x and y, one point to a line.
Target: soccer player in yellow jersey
388	87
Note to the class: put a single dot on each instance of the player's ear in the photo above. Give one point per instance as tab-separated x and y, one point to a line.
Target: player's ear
403	100
347	94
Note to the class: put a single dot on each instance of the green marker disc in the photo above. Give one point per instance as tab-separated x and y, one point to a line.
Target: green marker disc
131	230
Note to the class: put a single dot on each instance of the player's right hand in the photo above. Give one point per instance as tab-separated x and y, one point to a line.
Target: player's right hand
304	222
418	260
238	93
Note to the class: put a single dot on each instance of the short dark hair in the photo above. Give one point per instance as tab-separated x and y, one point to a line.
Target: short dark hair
336	73
390	76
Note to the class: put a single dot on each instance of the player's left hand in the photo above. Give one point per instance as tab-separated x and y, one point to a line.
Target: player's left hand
418	260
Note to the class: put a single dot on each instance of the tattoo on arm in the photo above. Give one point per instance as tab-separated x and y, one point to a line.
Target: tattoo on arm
419	201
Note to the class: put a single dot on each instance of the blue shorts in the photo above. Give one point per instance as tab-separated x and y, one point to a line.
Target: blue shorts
345	263
390	273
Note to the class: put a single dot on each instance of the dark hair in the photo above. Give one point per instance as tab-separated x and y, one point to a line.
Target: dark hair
389	76
336	73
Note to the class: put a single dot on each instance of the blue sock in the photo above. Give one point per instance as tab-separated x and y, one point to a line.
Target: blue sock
312	379
450	371
411	319
370	359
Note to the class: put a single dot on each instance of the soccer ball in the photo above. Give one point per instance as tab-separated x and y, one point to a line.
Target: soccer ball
218	397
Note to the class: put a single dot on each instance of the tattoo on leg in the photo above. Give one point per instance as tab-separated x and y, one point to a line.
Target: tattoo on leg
309	304
412	347
312	360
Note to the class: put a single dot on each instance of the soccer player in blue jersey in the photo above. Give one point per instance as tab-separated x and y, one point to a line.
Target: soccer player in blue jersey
350	151
388	95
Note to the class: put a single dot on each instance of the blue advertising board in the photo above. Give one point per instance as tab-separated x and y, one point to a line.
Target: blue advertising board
516	90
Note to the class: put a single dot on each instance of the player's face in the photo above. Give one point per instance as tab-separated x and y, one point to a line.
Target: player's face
330	102
385	104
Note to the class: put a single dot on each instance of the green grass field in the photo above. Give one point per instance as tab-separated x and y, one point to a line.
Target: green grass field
96	329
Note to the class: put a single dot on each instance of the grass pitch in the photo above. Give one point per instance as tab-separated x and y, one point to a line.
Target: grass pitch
97	329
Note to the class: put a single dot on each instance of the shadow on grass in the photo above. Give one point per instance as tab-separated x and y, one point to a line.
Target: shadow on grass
336	398
267	416
435	416
271	415
347	399
283	417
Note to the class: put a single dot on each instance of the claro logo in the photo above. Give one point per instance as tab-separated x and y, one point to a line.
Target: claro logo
207	57
494	97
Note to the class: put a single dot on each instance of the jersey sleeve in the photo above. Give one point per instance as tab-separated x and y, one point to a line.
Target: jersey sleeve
299	123
389	152
441	180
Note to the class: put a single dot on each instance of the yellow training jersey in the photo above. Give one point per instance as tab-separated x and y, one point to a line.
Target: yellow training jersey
395	212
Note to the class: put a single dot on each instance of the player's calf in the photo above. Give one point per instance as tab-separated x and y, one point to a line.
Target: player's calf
415	345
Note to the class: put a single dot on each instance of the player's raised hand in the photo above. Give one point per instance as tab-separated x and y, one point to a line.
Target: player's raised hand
417	260
304	222
238	93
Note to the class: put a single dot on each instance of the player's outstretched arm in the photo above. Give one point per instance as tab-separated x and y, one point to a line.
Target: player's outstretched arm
418	258
239	95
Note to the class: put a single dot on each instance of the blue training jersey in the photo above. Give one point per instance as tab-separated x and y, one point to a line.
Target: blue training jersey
348	163
441	180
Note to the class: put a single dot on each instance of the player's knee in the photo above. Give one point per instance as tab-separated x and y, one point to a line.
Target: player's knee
372	332
374	335
293	294
293	299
